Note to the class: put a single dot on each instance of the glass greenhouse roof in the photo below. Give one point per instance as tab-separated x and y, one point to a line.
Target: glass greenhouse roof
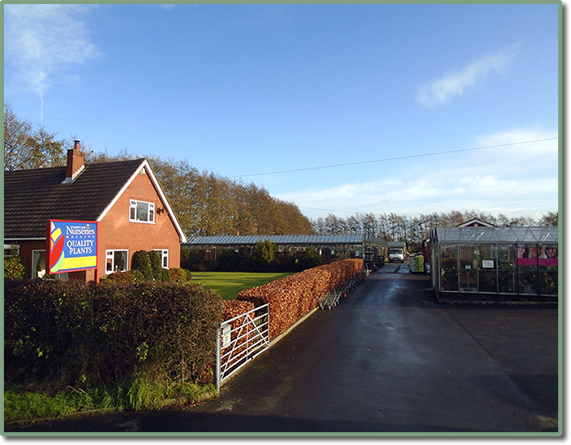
497	234
226	240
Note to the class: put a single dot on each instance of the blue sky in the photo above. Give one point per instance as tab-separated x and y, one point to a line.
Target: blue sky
256	91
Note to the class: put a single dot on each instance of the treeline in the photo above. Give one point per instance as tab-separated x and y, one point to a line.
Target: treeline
205	204
413	230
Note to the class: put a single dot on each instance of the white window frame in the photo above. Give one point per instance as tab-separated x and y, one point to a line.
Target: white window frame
164	257
110	254
134	211
39	267
11	250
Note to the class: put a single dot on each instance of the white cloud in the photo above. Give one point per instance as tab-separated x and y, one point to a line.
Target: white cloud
44	41
541	146
441	90
514	180
456	192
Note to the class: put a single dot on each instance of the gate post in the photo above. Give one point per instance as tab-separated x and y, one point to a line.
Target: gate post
218	363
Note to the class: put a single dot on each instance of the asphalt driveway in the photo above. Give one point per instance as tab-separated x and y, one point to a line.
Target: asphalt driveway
387	359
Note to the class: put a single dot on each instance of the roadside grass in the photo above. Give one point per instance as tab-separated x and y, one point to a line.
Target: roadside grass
229	284
135	395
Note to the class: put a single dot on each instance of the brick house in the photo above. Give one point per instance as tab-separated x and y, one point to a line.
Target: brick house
124	198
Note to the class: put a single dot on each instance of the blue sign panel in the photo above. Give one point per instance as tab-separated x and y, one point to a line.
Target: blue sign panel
72	246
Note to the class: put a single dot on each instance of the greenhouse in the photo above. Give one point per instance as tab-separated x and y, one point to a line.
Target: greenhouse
495	263
330	247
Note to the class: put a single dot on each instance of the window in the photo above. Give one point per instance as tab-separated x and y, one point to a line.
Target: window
164	258
449	277
467	271
38	263
141	211
11	250
487	267
527	271
548	265
506	268
116	261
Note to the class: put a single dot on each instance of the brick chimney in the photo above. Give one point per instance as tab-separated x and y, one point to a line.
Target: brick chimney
75	162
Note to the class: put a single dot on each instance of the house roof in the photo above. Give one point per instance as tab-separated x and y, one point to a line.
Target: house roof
476	222
31	197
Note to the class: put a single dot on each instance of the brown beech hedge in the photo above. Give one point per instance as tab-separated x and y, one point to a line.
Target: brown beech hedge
296	295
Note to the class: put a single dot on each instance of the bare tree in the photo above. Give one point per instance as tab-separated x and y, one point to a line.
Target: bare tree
550	219
27	149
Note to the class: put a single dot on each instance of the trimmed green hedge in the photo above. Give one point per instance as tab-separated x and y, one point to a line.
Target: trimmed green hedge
71	333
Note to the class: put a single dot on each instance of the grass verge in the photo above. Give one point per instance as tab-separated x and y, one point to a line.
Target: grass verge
135	395
229	284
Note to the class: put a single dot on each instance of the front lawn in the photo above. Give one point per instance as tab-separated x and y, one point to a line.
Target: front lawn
228	284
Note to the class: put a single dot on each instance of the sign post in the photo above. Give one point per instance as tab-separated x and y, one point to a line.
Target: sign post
72	246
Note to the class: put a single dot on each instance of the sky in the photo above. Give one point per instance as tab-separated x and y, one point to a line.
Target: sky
338	108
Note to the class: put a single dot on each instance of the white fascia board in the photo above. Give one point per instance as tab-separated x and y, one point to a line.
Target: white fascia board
154	181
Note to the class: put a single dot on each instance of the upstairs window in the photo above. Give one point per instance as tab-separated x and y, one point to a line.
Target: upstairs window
141	211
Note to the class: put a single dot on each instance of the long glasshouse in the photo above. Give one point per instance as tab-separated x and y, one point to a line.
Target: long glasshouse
330	248
495	263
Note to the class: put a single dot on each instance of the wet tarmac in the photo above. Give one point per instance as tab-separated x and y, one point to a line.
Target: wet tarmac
388	359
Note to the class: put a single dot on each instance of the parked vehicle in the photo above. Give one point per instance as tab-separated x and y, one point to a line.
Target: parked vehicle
396	254
416	263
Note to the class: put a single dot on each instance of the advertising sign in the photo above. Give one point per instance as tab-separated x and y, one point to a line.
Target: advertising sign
72	246
534	254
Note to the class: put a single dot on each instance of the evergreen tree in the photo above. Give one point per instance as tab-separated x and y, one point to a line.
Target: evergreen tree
142	263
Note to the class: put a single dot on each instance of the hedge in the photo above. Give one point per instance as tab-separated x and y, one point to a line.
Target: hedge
296	295
72	333
241	338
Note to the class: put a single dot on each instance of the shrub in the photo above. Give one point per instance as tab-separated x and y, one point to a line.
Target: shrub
310	259
178	275
138	275
227	260
189	258
264	256
156	259
142	263
165	275
123	277
15	267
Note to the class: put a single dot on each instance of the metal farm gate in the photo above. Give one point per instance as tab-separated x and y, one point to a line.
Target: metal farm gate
242	338
239	340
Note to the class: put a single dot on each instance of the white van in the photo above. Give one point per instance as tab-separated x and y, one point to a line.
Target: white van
396	254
